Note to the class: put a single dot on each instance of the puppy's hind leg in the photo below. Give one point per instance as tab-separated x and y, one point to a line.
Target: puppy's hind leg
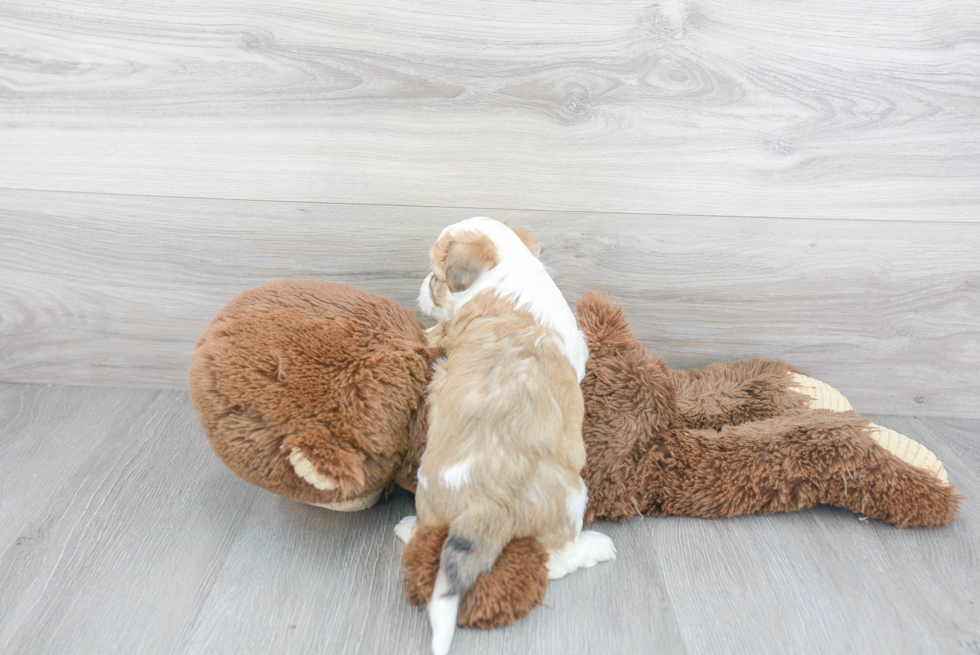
588	549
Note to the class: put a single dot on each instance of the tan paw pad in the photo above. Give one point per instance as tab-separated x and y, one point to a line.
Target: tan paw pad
909	451
354	505
305	469
822	395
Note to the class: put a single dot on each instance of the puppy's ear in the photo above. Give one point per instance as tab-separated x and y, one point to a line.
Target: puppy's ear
529	241
469	256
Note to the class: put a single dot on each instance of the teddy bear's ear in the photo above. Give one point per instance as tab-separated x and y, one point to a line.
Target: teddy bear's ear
469	256
529	241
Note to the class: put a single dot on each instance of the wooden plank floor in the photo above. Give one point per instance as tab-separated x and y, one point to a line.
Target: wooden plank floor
807	109
121	533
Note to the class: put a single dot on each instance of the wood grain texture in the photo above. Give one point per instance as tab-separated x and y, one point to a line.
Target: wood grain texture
806	109
118	550
114	290
142	542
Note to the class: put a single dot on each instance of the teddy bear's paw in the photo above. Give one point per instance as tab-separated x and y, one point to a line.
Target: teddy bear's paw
588	549
305	469
405	528
822	395
909	451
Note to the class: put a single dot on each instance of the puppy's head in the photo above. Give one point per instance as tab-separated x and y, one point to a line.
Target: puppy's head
465	252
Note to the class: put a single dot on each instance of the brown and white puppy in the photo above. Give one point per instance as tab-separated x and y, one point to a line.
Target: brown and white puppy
504	454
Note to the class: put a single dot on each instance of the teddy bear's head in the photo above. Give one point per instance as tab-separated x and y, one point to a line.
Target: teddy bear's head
314	391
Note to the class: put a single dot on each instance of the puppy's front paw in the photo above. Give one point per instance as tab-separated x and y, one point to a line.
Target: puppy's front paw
305	469
405	528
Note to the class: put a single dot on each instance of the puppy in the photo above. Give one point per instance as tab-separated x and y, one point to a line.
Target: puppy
504	453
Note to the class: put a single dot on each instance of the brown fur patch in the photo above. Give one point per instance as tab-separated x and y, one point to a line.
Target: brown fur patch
325	367
459	260
733	394
516	584
420	562
763	452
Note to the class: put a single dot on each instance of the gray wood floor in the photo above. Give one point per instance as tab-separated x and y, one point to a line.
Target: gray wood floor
121	533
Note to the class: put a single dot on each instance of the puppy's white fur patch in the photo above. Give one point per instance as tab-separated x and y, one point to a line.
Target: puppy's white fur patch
406	528
425	301
423	481
456	475
588	549
575	505
518	274
442	615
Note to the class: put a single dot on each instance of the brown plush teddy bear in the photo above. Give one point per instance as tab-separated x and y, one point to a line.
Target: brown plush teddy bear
315	391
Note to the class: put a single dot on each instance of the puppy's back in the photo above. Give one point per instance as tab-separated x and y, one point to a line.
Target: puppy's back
505	447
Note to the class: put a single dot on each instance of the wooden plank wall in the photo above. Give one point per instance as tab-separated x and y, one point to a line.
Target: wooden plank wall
114	290
796	180
819	108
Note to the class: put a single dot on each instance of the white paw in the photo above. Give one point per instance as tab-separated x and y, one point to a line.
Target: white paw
587	550
308	472
405	528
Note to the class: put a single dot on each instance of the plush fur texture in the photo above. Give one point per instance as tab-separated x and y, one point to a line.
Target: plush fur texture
720	441
324	368
516	584
764	452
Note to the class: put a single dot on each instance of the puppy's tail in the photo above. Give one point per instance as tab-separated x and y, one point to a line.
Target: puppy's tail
467	553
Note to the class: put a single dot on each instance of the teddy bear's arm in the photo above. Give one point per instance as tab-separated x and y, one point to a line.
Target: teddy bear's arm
789	463
821	395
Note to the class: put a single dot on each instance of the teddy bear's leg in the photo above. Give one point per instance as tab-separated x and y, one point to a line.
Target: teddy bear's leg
791	463
516	584
823	396
731	394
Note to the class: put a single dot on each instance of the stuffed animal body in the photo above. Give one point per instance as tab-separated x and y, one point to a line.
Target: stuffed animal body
340	375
